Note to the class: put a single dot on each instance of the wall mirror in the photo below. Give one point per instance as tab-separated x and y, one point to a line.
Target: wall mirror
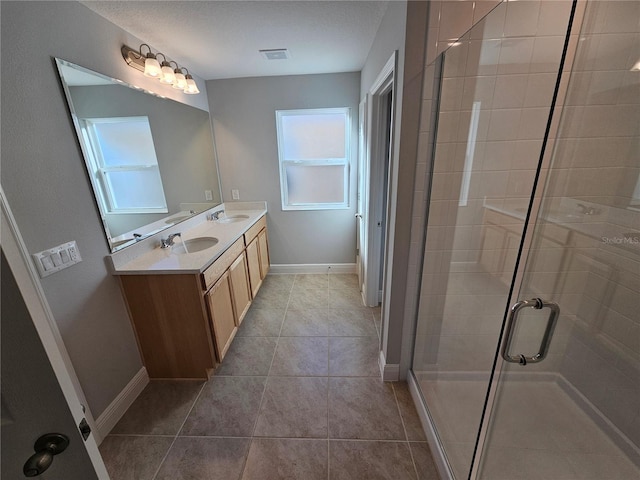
150	160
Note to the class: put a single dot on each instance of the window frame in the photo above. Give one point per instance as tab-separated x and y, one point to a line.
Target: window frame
100	171
345	162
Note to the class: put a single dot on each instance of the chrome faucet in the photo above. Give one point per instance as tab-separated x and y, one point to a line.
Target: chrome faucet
168	242
587	210
216	215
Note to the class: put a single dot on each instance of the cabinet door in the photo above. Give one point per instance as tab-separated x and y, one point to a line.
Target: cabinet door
253	261
492	249
240	287
263	251
221	313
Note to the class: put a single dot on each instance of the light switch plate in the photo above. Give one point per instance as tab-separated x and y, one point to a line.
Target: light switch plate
57	258
235	194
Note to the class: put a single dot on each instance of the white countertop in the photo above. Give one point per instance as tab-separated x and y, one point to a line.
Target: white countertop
617	227
165	261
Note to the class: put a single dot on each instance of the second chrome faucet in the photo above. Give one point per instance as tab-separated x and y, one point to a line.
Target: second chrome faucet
168	242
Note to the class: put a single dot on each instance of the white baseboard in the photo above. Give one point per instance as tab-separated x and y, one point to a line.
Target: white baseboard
116	409
390	372
314	268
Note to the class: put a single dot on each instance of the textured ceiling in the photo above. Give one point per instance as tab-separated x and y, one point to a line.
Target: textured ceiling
221	39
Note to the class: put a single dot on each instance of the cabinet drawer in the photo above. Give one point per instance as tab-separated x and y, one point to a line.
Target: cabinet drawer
555	233
255	230
217	268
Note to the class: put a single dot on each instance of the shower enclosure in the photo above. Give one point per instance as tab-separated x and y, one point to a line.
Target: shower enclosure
527	348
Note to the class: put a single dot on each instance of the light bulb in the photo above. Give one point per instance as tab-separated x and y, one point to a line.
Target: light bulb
151	67
167	76
191	87
180	82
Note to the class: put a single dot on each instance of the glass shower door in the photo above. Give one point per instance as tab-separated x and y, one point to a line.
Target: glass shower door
496	94
576	413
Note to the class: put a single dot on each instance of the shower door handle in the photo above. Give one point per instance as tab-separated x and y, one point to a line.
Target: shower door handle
536	304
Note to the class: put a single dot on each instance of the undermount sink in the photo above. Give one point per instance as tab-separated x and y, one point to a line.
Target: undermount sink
232	218
193	245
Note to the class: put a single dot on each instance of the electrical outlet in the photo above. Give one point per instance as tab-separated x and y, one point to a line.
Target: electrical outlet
208	195
235	194
57	258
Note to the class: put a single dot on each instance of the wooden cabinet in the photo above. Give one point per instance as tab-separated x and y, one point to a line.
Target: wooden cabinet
257	254
240	287
263	253
222	315
170	319
185	323
253	260
501	237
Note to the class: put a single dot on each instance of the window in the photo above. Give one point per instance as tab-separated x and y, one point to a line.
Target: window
124	164
314	156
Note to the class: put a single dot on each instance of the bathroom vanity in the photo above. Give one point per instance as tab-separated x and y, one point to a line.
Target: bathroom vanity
187	301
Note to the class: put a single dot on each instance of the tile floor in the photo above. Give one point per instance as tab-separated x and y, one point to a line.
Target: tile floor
298	396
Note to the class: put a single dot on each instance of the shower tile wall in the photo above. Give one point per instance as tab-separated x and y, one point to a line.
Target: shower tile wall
507	67
447	20
590	263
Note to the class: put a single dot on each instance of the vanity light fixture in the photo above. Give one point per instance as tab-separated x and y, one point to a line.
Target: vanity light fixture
168	72
167	76
180	83
191	87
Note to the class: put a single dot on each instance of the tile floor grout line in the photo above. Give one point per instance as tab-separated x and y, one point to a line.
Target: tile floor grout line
266	383
164	458
404	427
247	441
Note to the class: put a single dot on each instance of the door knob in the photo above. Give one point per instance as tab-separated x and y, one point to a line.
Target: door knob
46	447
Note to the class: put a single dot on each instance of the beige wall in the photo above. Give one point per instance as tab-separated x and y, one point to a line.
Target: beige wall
45	181
244	123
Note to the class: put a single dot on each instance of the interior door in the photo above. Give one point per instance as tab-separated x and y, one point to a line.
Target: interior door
362	175
38	391
32	402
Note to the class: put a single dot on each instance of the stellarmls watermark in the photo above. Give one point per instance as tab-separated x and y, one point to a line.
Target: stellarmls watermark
626	239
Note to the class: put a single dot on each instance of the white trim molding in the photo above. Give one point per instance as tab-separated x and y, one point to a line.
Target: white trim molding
390	372
26	276
313	268
118	407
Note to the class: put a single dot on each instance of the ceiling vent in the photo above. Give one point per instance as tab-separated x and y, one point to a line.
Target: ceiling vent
275	54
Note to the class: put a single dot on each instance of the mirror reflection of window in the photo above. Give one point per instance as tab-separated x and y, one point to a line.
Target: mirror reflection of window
125	165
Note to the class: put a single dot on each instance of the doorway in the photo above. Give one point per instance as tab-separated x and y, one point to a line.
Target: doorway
377	166
38	396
